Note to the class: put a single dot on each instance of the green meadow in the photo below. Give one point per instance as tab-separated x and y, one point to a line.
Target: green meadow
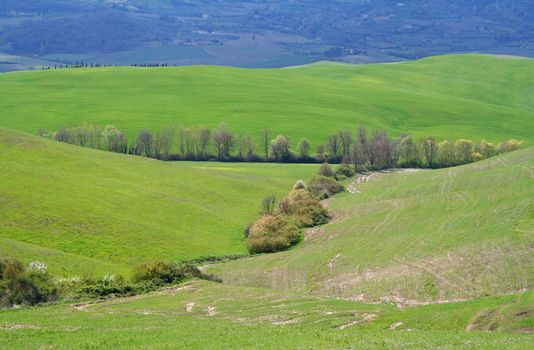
412	259
430	235
202	315
460	96
82	210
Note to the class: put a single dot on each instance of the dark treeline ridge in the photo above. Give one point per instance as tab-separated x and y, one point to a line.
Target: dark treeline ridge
83	64
364	150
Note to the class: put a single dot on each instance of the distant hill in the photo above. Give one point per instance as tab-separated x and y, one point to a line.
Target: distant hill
458	96
270	33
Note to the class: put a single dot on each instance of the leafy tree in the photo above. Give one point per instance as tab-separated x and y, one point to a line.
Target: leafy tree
464	151
303	148
429	147
280	148
446	153
113	138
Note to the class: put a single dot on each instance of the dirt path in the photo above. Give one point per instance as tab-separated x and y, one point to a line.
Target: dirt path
353	186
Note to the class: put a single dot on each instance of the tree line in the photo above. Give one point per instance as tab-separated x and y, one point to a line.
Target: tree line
363	149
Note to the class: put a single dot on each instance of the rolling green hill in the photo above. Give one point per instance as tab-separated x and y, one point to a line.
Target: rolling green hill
415	237
82	210
464	96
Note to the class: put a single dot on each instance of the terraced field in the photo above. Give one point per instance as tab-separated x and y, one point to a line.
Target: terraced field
446	97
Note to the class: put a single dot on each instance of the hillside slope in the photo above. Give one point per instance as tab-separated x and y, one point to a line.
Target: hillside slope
84	210
445	97
201	315
415	237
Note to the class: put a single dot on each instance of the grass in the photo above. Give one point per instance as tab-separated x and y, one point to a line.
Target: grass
448	254
204	315
446	96
82	210
408	237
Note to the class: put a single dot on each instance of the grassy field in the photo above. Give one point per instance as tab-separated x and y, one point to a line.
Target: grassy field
80	210
446	96
203	315
408	237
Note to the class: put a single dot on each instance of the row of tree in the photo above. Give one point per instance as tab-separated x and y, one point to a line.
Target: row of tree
364	150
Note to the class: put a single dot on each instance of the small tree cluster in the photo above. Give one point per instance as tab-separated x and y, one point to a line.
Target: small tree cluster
280	228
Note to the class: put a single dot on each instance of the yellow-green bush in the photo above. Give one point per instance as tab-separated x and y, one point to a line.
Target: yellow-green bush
272	233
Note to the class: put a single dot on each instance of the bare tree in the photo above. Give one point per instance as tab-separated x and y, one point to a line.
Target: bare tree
163	141
382	151
345	137
249	147
190	143
358	157
265	136
204	136
240	146
267	205
145	142
224	142
62	135
181	141
333	146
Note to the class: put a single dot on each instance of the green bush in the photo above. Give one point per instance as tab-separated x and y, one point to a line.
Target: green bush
272	234
326	170
307	210
322	187
159	272
113	286
20	287
344	171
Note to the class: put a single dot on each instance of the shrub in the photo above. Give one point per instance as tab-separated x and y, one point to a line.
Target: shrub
300	185
10	269
509	146
19	287
322	187
326	170
159	272
272	234
306	210
267	205
344	171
